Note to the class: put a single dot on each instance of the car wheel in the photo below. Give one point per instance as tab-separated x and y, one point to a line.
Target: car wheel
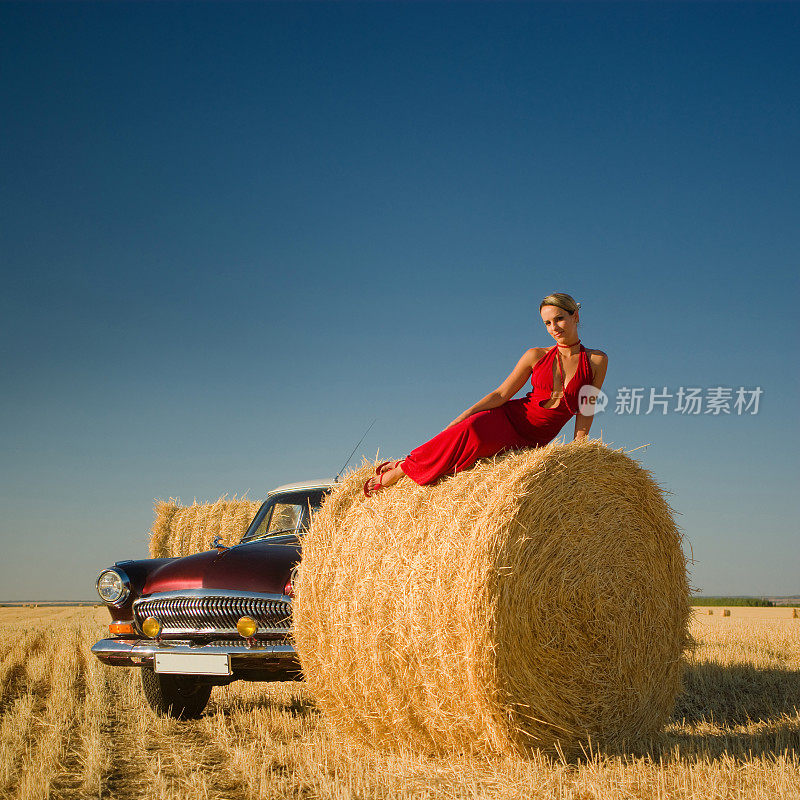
177	696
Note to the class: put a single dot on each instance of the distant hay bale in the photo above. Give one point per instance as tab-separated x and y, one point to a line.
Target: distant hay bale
180	530
533	601
726	612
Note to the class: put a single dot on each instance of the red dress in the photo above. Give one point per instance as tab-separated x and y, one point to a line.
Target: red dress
512	426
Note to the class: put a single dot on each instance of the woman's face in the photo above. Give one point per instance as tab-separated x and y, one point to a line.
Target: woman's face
560	324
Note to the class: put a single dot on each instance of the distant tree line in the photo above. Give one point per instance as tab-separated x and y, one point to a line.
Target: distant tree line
731	601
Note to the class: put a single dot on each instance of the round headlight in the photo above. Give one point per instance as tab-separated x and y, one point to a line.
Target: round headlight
113	586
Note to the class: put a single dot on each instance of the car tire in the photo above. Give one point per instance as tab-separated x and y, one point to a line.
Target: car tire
179	696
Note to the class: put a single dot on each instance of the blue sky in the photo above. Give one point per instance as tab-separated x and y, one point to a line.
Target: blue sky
232	234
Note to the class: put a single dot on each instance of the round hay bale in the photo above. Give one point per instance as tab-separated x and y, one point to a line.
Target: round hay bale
182	530
533	601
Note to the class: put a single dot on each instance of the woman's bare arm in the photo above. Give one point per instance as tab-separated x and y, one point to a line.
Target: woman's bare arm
507	389
599	361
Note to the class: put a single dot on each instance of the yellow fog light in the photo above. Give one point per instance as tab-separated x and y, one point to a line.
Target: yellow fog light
151	627
247	627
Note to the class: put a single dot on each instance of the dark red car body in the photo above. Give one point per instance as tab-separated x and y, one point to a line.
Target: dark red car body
197	602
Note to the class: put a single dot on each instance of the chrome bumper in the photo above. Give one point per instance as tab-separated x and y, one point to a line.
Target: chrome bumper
138	653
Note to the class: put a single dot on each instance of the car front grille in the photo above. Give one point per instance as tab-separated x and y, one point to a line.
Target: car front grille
214	614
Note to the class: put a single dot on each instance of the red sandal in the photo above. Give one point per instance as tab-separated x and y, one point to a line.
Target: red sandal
376	485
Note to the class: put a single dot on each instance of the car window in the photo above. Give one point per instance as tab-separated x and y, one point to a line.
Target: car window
283	518
289	513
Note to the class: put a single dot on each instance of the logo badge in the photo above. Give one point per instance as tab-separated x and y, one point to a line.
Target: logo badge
591	400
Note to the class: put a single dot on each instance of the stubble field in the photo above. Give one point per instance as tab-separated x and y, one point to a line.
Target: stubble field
72	728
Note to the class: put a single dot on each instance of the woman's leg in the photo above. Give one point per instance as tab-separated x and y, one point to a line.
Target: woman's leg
454	449
459	447
392	475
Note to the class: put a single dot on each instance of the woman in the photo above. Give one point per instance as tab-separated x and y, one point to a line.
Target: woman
497	422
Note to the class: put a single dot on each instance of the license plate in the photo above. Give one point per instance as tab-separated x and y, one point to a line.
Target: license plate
193	663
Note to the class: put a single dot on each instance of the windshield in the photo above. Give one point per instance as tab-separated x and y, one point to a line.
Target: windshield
284	514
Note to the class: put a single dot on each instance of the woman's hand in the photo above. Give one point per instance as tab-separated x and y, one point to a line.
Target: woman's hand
599	363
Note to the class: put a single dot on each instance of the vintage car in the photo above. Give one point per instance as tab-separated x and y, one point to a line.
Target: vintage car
211	618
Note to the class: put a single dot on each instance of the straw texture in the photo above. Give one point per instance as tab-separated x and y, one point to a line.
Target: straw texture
533	601
181	530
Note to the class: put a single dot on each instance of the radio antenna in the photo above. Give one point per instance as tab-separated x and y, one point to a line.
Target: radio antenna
336	479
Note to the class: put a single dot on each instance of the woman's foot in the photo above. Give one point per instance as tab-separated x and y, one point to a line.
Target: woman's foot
372	485
388	477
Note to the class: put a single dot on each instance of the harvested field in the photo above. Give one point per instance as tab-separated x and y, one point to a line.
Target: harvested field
73	728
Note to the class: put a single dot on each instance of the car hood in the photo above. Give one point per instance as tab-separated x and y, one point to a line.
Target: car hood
253	567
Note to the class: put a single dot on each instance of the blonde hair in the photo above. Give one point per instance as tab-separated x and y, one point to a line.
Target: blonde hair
565	301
